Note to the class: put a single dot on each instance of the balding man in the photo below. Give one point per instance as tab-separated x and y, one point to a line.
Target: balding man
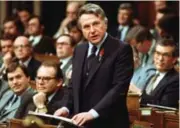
23	51
71	14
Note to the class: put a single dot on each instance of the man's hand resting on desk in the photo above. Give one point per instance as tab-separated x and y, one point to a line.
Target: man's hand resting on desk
61	112
82	118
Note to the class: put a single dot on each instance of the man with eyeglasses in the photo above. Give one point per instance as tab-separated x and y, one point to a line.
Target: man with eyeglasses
64	50
24	53
165	89
50	93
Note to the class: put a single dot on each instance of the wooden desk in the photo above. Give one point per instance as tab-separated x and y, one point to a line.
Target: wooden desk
171	120
16	123
159	118
133	101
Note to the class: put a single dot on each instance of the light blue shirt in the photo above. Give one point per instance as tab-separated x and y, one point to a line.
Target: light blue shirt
124	31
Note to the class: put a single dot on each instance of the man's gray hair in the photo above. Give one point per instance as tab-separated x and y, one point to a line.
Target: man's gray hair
92	9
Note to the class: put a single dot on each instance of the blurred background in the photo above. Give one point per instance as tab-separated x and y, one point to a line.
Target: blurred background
53	12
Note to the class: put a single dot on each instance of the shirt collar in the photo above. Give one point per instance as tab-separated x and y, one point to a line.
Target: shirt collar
98	46
26	62
65	61
123	27
35	39
51	96
161	73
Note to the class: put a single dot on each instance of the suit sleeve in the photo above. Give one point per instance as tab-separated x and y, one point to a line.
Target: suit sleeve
122	74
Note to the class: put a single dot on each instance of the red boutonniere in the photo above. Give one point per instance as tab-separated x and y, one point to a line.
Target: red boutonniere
101	54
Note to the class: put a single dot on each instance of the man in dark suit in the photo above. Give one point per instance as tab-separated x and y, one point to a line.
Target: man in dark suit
125	21
164	90
102	69
50	93
41	44
23	51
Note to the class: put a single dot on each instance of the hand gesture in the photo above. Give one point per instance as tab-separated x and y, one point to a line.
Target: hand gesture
39	99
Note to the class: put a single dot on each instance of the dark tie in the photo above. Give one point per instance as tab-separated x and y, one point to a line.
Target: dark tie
91	57
119	33
149	87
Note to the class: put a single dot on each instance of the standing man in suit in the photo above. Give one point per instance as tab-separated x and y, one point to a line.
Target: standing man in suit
49	82
64	50
18	80
164	89
24	53
102	69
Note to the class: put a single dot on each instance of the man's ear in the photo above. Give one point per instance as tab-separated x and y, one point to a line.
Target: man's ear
60	83
175	59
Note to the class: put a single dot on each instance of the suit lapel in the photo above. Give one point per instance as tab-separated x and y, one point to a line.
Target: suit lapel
67	66
14	106
163	82
99	60
5	99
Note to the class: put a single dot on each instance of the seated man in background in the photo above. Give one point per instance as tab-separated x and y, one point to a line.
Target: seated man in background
64	50
50	93
163	87
142	41
24	53
72	9
41	44
75	32
18	80
6	47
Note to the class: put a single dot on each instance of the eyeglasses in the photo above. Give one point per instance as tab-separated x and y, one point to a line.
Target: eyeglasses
165	55
45	78
21	46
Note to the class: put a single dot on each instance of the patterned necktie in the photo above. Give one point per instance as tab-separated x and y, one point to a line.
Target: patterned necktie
149	87
91	57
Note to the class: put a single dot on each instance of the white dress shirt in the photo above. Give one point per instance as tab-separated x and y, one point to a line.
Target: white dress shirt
35	39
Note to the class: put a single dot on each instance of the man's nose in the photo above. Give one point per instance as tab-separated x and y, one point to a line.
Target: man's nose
92	29
14	81
161	57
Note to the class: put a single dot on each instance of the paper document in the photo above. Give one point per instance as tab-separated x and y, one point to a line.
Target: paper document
52	116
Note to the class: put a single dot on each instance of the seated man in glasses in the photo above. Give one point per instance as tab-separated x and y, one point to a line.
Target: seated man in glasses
163	87
49	82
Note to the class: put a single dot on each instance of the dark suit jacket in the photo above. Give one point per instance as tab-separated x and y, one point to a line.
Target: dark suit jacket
28	104
114	30
45	46
166	93
107	84
33	67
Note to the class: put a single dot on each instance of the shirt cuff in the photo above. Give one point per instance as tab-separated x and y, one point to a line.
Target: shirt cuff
94	113
66	109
